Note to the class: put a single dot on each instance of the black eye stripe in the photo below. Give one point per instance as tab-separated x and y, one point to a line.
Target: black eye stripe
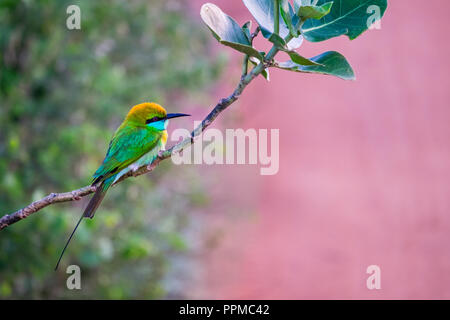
154	119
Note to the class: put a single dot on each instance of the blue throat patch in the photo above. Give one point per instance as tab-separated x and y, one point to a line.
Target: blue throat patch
159	125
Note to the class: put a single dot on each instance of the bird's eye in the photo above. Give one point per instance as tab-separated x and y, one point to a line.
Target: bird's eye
154	119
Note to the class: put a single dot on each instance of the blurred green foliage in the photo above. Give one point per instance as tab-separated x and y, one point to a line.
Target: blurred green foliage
62	94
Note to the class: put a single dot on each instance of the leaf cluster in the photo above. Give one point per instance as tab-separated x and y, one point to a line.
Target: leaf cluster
286	24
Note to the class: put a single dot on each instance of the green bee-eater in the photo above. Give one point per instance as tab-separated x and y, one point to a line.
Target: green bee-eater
135	143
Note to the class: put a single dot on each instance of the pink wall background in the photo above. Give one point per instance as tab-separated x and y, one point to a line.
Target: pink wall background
364	171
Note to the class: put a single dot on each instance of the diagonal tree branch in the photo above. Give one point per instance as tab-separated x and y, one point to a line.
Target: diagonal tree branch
74	195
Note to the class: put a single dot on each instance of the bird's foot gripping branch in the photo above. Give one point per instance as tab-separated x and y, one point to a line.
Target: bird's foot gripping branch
285	25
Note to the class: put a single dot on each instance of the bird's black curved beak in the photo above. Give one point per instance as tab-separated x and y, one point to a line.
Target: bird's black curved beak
176	115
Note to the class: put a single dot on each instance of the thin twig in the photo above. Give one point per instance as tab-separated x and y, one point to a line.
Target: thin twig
74	195
246	57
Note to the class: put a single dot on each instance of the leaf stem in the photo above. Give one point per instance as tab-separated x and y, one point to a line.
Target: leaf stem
276	17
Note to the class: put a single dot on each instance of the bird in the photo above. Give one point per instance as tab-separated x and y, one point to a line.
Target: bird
136	143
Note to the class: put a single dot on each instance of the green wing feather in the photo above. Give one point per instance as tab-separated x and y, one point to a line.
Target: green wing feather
128	144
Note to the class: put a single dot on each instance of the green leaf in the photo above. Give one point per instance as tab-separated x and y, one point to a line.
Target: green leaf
263	11
265	72
332	63
295	57
346	17
285	12
281	44
226	30
314	12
